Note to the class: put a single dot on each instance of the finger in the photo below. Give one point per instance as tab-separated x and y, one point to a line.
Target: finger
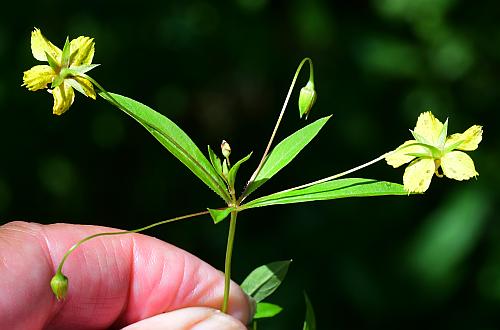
191	318
113	281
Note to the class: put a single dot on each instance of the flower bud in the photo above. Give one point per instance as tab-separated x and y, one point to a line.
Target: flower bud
226	149
307	98
59	285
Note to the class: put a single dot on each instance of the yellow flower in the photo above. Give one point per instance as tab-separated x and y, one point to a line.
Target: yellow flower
433	152
63	69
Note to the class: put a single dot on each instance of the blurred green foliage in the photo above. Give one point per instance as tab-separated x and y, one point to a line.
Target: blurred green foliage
221	71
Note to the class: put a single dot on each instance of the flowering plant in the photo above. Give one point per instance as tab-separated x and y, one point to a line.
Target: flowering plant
431	152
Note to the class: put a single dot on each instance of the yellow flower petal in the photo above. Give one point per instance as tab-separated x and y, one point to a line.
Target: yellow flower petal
40	45
82	85
400	156
82	51
470	138
429	127
64	96
38	77
458	165
418	175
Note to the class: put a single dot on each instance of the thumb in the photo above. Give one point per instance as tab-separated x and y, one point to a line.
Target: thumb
191	318
113	281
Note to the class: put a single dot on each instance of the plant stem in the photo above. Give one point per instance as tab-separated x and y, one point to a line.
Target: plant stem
229	254
88	238
280	117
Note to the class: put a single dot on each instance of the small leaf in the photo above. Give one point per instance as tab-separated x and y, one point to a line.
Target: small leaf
285	152
310	319
216	163
174	139
264	280
231	178
265	310
334	189
219	215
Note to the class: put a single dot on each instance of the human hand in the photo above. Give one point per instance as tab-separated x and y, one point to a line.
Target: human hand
132	281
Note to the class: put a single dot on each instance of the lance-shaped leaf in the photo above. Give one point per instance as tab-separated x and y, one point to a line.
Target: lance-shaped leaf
265	310
216	163
285	152
174	139
231	177
263	280
310	319
334	189
218	215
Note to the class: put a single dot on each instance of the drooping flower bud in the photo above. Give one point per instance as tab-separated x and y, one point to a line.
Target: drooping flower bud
59	285
226	148
306	99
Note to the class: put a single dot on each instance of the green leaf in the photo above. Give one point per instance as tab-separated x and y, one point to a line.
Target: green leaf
174	139
334	189
310	320
263	280
219	215
266	310
285	152
216	163
231	177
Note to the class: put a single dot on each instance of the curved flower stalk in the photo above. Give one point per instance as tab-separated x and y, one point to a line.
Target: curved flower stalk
433	152
76	57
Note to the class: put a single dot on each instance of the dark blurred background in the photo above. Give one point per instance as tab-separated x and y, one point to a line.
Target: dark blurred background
221	71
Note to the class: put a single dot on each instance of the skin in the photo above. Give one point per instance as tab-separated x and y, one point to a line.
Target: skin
129	281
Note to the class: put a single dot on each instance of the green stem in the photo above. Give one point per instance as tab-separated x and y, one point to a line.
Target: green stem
88	238
280	117
229	254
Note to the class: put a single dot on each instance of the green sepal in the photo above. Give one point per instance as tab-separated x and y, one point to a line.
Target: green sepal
73	83
225	169
419	137
266	310
218	215
52	62
443	134
453	146
57	81
75	70
231	178
435	152
66	53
